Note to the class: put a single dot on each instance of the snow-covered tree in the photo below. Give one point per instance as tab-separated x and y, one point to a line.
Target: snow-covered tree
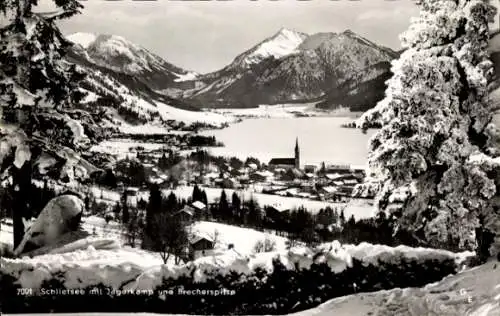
433	163
39	134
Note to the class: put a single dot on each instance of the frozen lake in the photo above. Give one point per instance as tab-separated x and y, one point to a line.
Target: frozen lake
320	139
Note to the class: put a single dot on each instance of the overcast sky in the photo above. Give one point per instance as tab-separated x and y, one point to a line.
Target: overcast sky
206	35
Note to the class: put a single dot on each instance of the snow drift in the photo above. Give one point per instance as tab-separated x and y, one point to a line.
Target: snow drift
127	268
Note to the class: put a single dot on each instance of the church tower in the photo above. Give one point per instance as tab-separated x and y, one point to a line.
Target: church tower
297	154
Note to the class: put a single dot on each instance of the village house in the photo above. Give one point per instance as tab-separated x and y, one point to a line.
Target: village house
310	168
329	192
200	246
186	214
200	210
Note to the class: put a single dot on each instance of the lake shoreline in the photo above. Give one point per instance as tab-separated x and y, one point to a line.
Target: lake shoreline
274	137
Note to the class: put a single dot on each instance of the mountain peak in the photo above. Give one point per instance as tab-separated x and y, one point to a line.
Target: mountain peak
349	32
287	32
118	54
281	44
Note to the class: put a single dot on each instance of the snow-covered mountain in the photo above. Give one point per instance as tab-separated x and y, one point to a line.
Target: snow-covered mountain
120	55
121	83
121	106
296	67
285	42
333	69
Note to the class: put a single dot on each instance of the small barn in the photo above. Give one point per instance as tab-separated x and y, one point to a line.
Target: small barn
186	214
200	246
200	210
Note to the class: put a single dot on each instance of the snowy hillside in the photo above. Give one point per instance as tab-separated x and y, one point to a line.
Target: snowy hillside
126	105
118	54
122	83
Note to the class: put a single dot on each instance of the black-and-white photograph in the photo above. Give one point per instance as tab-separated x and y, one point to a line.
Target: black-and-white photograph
306	158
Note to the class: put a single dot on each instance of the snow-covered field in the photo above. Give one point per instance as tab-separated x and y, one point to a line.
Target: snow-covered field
360	209
98	226
213	194
123	147
172	113
143	129
283	111
243	239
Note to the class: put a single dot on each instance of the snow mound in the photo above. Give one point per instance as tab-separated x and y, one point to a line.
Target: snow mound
89	261
473	292
93	261
372	254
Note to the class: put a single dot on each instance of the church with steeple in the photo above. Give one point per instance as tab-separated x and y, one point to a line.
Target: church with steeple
288	163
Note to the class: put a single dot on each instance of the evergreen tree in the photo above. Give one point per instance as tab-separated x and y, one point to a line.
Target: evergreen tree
434	163
37	87
204	198
235	204
171	204
254	214
197	194
224	206
351	221
342	218
154	205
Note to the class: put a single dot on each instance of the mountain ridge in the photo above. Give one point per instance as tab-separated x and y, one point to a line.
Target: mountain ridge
288	66
310	68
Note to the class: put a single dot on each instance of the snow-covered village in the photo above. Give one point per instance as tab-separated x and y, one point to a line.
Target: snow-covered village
250	158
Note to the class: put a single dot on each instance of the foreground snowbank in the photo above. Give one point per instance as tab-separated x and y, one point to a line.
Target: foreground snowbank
84	265
473	292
